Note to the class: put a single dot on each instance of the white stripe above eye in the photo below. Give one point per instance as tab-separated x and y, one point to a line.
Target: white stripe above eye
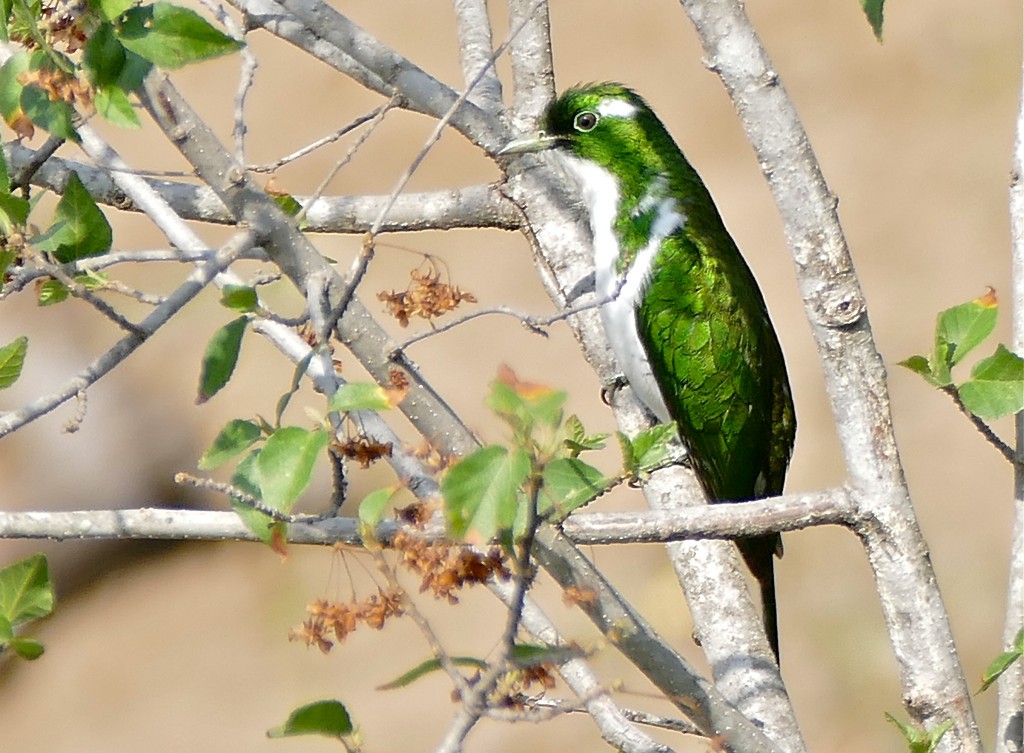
616	108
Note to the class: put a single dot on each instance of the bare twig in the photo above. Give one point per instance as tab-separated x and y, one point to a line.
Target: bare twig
983	428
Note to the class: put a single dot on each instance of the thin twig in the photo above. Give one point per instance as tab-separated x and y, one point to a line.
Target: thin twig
986	431
330	138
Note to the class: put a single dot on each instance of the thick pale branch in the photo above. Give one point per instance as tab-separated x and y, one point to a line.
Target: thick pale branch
333	38
480	206
933	682
787	513
475	47
1010	722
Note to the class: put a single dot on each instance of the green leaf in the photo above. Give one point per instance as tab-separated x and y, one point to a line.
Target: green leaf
962	328
113	104
110	65
52	292
239	297
1003	662
26	648
431	665
570	483
79	229
171	36
652	448
236	437
10	84
7	257
220	358
288	204
300	371
55	117
12	359
13	214
996	386
524	405
329	718
482	490
577	440
527	655
359	396
25	590
286	464
921	740
371	510
873	9
246	478
112	9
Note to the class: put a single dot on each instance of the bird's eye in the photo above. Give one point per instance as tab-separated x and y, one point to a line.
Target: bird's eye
585	121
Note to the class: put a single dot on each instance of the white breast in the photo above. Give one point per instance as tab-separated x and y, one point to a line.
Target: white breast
601	196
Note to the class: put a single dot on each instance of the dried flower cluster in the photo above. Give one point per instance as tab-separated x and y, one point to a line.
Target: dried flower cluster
513	689
427	296
362	449
338	619
445	568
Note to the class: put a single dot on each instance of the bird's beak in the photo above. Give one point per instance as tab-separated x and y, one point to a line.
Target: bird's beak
535	142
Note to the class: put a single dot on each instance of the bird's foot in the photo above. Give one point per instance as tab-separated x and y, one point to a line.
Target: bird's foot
609	390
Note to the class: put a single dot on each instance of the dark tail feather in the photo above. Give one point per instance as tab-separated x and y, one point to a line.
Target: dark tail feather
759	555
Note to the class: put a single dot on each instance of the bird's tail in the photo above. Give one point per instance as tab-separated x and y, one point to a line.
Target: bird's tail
759	554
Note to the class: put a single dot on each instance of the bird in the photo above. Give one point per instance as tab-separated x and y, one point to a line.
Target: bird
682	310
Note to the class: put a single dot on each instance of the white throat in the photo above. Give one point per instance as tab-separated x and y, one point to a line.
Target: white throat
600	193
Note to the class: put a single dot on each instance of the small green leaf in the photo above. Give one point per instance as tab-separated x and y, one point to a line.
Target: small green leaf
570	483
12	359
236	437
1003	662
629	463
431	665
577	440
113	104
917	364
359	396
286	464
10	84
300	371
328	718
246	479
527	655
26	648
79	229
482	490
110	65
287	203
873	9
921	740
996	386
220	358
13	214
964	327
7	257
239	297
371	510
171	36
652	448
55	117
25	590
52	292
112	9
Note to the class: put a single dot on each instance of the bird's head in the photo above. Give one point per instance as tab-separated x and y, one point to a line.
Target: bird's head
608	125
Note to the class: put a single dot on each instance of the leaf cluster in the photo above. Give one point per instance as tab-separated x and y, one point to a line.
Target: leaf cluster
995	387
26	594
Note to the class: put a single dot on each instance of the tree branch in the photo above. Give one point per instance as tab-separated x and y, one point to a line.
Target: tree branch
468	207
1010	717
475	46
933	682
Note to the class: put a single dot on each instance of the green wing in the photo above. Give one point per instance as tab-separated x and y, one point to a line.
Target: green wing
718	363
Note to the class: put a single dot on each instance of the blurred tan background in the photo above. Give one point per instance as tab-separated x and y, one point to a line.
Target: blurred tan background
161	648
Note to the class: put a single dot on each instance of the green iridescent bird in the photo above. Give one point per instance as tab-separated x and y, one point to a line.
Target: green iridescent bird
688	324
